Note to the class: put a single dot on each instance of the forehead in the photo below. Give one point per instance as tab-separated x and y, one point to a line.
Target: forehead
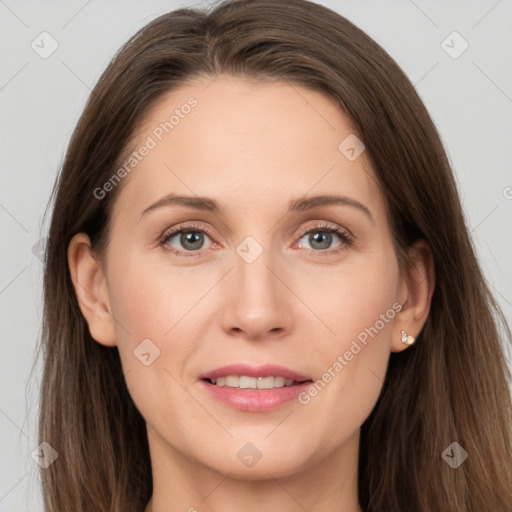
260	142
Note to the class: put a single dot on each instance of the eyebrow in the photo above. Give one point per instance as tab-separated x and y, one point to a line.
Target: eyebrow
297	205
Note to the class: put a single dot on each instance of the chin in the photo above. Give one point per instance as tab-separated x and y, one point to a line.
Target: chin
276	464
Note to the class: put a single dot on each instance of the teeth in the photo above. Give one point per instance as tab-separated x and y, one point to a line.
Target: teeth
232	381
244	382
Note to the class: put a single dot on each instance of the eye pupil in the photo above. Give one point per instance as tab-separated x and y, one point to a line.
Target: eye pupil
191	237
323	237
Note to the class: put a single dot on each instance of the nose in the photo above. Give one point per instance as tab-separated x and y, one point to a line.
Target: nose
256	301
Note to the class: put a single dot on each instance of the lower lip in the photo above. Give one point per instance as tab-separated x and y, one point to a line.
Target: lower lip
255	400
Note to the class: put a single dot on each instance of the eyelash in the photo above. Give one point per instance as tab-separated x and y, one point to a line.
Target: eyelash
346	238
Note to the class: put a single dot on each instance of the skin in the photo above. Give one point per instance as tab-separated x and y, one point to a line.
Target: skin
253	147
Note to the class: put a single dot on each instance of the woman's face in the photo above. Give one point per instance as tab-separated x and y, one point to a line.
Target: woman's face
261	279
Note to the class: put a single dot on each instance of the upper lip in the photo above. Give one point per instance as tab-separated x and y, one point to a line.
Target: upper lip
267	370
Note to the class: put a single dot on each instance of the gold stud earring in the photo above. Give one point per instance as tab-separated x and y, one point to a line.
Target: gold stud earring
407	339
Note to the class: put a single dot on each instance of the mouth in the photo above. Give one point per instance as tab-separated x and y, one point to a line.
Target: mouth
254	389
247	382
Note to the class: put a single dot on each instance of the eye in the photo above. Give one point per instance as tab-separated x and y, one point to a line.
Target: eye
320	239
192	237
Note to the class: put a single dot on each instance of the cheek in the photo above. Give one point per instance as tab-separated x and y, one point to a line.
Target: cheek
157	302
350	299
145	307
357	306
141	311
147	300
149	306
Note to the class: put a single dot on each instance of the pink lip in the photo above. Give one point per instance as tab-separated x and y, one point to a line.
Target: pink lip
267	370
254	400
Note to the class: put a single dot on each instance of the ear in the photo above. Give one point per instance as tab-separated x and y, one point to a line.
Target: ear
415	295
91	289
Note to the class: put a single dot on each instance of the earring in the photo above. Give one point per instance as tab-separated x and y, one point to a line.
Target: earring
407	339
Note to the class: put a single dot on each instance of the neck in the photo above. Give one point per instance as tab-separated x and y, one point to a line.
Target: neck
325	484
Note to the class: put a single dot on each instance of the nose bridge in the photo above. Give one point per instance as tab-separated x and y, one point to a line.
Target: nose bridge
255	301
252	268
253	279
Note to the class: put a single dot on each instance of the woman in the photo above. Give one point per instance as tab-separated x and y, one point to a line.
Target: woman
260	290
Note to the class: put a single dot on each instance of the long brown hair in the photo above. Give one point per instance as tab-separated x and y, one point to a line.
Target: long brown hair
452	385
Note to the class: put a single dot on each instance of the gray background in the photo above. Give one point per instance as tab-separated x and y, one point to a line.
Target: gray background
469	98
